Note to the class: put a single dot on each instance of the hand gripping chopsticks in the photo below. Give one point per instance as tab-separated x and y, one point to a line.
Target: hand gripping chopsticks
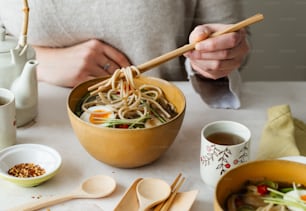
188	47
180	51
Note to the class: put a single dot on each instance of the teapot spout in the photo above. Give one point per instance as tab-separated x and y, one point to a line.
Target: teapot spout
25	89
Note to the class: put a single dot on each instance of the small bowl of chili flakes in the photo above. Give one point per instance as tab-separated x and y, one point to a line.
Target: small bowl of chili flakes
29	165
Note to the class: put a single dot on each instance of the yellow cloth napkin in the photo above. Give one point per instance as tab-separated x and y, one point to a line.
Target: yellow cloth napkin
283	135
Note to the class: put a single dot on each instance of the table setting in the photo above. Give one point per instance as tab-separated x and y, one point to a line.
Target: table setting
81	166
183	156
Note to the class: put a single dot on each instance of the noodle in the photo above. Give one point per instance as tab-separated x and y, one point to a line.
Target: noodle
267	195
133	106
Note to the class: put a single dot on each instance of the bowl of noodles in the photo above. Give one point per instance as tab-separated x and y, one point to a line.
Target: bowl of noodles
267	185
127	120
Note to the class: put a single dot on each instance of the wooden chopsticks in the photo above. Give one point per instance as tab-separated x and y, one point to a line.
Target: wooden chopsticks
188	47
175	186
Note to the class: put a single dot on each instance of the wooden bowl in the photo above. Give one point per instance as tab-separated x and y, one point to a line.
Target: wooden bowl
127	148
275	170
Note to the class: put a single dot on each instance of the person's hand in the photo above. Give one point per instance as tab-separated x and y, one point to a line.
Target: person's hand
216	57
72	65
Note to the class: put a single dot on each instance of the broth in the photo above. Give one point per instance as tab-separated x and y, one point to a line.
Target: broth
223	138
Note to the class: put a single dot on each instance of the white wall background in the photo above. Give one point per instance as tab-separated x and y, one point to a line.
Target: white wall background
279	42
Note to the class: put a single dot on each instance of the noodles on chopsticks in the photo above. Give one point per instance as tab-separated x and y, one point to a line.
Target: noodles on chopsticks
133	106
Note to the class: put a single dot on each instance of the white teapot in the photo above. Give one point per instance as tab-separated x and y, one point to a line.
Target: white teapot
18	73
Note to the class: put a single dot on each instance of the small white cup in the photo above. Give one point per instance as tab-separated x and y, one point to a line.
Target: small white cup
216	158
7	118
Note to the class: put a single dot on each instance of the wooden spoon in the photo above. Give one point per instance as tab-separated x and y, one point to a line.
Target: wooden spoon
151	191
94	187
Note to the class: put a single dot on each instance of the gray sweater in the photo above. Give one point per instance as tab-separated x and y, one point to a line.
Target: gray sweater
142	29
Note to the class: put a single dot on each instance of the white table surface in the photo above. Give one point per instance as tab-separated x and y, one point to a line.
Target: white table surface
52	128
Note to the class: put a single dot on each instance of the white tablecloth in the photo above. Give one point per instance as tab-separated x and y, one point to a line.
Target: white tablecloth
52	128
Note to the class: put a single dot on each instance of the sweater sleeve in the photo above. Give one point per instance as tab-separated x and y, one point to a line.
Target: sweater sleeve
218	11
222	93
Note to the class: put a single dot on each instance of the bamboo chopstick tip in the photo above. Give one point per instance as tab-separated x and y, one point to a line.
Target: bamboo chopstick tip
260	16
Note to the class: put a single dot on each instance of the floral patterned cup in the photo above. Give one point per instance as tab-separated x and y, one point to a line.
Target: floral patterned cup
217	157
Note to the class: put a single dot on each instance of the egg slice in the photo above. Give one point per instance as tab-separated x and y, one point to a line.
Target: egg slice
98	115
295	195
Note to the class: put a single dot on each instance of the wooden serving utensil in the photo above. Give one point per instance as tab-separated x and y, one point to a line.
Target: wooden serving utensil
23	37
151	191
188	47
94	187
175	186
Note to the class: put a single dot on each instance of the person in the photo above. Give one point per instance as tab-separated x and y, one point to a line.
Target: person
77	40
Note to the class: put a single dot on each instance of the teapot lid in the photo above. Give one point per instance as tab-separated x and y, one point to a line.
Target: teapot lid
6	42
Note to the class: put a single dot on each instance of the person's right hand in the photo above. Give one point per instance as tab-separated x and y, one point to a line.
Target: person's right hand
217	57
70	66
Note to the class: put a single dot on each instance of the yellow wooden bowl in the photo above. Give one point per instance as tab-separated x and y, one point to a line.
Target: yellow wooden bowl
275	170
127	148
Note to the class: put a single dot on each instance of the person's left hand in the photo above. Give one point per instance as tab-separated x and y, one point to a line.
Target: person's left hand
217	57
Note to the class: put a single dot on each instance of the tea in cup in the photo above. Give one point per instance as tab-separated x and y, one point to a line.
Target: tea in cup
224	145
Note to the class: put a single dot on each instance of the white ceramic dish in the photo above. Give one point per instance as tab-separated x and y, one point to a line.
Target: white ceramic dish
296	158
42	155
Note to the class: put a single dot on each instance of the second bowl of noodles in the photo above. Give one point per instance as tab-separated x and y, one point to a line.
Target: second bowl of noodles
271	185
125	145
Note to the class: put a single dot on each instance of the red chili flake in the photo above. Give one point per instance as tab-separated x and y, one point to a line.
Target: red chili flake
227	165
236	161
